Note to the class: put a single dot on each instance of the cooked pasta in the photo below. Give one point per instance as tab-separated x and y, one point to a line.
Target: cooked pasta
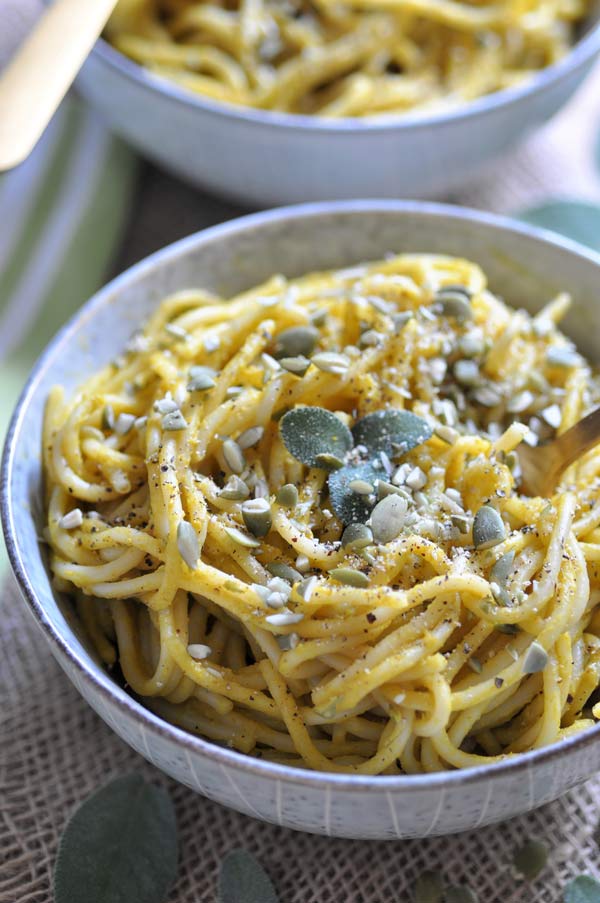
292	521
351	58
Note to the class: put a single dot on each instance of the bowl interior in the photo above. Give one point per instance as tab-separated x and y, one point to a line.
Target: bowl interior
524	266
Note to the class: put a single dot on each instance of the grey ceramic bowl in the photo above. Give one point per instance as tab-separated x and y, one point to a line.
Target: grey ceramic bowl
526	267
264	158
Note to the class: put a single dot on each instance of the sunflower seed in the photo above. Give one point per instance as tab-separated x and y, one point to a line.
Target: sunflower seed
285	618
187	543
166	405
276	600
467	373
257	516
174	421
201	378
350	576
416	479
488	528
199	651
486	396
303	563
536	659
124	423
307	587
520	402
561	356
108	418
71	520
552	415
290	641
140	423
234	456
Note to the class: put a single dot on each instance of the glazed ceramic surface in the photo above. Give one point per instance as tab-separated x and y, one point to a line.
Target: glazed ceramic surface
264	158
524	266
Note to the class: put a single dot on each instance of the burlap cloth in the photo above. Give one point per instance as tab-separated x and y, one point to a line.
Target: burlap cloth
54	751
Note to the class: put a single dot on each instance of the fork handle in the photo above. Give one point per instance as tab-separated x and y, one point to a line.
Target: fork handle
579	439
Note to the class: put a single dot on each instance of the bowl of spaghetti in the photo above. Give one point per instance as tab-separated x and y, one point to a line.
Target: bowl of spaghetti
277	537
270	103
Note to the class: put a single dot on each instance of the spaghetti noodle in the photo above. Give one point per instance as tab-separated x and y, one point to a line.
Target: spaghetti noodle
292	520
356	58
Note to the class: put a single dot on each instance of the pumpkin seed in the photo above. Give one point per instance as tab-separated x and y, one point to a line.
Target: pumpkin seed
298	365
509	630
347	505
388	517
284	571
287	496
561	356
174	421
356	536
429	887
349	577
235	489
311	431
488	528
187	544
276	600
454	302
460	893
361	487
416	478
371	338
71	520
530	858
500	594
330	362
242	539
234	456
295	341
199	651
327	461
201	378
250	437
536	659
390	431
257	516
501	570
140	423
319	317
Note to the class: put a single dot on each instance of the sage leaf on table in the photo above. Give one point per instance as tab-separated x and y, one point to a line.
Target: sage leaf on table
582	890
243	880
120	846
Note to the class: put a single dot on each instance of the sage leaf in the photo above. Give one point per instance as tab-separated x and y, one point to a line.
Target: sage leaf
583	889
308	432
350	507
393	432
243	880
120	846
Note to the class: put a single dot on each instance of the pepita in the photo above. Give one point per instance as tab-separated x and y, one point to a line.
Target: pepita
488	528
257	516
388	517
349	577
187	544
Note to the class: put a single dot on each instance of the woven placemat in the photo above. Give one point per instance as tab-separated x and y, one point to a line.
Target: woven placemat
54	751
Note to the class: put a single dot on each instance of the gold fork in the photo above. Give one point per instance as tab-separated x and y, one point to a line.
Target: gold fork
543	465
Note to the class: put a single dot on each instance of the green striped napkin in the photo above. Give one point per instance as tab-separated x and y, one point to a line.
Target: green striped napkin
63	214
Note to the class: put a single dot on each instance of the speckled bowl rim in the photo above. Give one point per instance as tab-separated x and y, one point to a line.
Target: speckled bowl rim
582	52
96	677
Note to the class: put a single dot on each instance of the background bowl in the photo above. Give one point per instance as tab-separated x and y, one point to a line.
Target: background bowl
264	158
526	267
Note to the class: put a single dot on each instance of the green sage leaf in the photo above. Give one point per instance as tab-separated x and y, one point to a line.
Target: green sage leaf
393	432
308	432
243	880
583	889
120	846
349	506
578	220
